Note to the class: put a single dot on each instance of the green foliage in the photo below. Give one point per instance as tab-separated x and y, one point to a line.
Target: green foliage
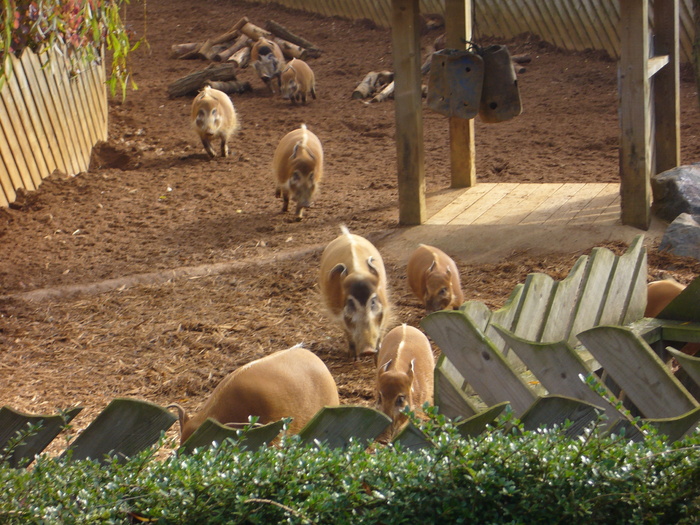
505	475
80	25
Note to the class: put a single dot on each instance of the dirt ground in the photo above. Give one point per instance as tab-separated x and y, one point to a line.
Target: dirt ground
179	268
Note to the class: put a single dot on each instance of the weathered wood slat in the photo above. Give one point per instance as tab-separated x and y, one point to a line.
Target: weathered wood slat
412	438
556	410
449	396
336	426
504	317
677	427
685	306
625	297
476	424
689	363
124	428
559	368
638	371
556	326
478	360
12	421
211	432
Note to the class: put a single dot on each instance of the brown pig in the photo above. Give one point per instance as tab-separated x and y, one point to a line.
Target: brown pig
268	61
660	294
298	81
405	366
353	287
434	278
298	168
289	383
214	117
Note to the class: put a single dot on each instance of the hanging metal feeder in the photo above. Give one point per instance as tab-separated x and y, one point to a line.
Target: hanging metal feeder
455	83
500	96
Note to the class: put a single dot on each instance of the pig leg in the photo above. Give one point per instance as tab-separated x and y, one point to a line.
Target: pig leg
299	213
303	98
313	93
285	202
207	146
224	147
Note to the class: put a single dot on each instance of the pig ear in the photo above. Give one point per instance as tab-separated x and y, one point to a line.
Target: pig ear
385	367
432	267
371	265
294	151
410	370
338	269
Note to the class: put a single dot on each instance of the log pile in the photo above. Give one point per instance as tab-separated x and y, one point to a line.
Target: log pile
231	50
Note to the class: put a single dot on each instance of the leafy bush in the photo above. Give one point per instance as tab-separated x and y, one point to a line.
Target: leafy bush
505	475
84	25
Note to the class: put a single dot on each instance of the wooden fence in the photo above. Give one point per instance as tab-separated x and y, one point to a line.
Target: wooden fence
51	116
570	24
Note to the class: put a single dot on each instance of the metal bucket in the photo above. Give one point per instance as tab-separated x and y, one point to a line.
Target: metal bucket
500	96
454	85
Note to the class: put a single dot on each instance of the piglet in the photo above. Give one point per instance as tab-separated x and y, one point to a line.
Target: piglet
434	278
298	81
214	117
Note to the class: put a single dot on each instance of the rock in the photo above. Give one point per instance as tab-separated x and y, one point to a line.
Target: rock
676	191
682	237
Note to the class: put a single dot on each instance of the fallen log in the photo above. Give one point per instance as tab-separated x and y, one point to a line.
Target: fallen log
254	32
192	83
241	57
284	33
177	50
384	94
232	33
229	86
521	59
290	50
373	80
240	43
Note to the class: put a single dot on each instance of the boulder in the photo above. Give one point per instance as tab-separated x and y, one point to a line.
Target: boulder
676	191
682	237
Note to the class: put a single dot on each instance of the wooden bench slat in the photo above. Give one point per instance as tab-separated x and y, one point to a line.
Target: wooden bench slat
412	438
449	396
685	307
639	371
504	316
552	410
477	359
556	326
337	425
13	421
211	431
558	367
124	428
625	297
689	363
476	424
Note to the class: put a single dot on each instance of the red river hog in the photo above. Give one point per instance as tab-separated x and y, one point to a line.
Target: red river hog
298	168
289	383
214	117
434	278
268	61
353	287
660	294
405	366
297	82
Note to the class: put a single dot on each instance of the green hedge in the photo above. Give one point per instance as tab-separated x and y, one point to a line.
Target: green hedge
505	475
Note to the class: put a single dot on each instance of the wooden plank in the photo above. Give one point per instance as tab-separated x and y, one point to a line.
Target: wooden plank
639	371
683	331
478	313
511	209
412	438
457	206
504	317
37	112
560	370
689	363
84	107
99	89
7	192
9	177
559	195
625	298
555	411
484	204
592	296
336	426
558	324
569	210
405	37
537	297
53	127
61	127
478	360
24	126
635	156
13	422
677	427
450	399
212	433
124	428
592	210
476	424
667	106
8	118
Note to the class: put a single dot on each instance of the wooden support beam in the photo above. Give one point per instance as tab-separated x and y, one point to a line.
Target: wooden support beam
458	29
405	39
635	110
666	87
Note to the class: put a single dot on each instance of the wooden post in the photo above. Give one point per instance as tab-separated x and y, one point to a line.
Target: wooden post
666	86
635	122
458	27
405	39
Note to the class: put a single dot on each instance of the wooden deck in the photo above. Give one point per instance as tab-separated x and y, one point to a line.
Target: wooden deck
555	204
490	221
